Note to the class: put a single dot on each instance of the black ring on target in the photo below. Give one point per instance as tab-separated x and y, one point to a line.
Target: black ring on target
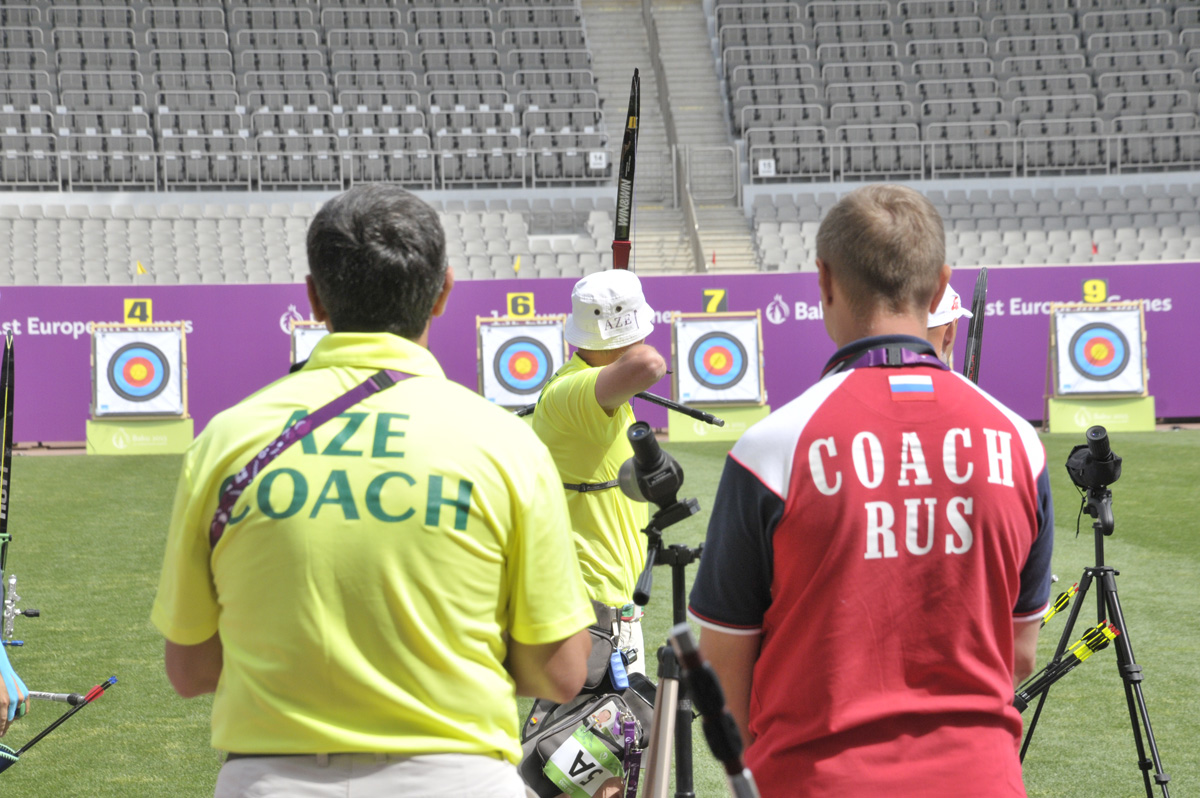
1099	351
522	365
718	360
138	372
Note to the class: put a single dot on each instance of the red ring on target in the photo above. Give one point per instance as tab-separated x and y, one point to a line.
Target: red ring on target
138	372
1099	352
718	360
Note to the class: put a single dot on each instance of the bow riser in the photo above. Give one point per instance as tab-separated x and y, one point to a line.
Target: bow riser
628	162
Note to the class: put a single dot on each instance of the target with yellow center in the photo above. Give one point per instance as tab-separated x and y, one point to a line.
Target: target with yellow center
138	372
522	365
717	360
1099	351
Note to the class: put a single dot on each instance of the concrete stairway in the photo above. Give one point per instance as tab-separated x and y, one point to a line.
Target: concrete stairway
726	239
694	97
618	40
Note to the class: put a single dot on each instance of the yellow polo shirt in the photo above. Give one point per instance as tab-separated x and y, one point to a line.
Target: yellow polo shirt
589	446
371	575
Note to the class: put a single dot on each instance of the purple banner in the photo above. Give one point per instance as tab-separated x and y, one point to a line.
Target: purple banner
237	338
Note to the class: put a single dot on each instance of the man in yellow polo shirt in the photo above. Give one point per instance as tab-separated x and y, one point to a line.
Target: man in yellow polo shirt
582	416
382	589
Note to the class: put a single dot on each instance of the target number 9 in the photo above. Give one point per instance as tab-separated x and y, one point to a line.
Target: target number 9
1095	290
520	306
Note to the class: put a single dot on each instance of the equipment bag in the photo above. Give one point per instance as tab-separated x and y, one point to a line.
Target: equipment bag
575	748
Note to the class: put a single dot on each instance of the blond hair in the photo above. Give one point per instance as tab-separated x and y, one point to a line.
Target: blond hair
885	245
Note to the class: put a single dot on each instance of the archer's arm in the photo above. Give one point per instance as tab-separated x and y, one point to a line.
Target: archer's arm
636	370
554	671
194	670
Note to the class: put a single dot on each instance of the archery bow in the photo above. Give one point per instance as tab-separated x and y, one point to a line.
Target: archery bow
6	397
975	328
621	242
11	611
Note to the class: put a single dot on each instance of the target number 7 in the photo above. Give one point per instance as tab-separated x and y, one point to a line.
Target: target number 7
139	311
520	306
716	300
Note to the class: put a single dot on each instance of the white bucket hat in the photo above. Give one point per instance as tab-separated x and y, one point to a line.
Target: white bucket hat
608	311
949	309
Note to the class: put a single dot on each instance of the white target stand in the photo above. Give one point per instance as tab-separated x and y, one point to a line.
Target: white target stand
139	389
717	363
517	357
305	337
1097	368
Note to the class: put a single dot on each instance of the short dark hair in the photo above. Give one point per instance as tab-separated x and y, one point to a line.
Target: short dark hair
377	255
887	245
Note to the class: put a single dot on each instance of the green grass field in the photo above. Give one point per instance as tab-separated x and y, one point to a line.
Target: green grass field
88	537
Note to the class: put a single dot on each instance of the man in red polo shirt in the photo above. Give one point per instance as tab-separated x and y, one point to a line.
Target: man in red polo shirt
879	550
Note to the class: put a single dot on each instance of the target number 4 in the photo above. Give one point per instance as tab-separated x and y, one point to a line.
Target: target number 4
520	306
1095	290
139	311
716	300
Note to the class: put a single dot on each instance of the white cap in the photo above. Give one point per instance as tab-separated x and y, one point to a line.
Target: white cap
608	311
949	309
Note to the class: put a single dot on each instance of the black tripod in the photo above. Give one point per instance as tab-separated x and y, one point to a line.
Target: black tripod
1093	467
653	475
672	697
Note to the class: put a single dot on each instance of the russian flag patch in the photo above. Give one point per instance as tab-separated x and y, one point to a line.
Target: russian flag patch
916	388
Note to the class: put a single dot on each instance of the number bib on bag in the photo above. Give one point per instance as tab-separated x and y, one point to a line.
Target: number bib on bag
582	764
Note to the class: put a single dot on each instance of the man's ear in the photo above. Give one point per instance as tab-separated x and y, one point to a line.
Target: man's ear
314	300
948	342
439	305
825	282
943	281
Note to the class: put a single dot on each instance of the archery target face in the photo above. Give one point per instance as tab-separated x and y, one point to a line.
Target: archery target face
721	360
1099	351
522	365
517	359
717	360
137	372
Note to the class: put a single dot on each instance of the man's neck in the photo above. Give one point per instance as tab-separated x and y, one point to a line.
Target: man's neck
881	325
600	357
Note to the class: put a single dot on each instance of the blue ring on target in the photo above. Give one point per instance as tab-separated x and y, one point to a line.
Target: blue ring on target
138	372
522	365
1099	351
718	360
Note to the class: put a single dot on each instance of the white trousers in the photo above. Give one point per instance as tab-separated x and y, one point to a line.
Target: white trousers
369	776
629	637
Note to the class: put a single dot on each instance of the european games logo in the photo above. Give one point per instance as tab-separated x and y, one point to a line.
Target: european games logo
120	439
290	315
778	311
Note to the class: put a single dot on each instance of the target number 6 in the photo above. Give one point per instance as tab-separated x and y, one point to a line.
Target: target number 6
520	306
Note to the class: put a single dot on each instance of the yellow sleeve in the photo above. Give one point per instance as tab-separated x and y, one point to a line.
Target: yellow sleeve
548	602
570	403
185	607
